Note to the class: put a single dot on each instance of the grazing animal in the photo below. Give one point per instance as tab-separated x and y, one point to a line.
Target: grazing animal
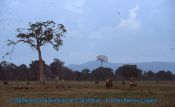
26	87
123	82
5	83
46	87
109	83
19	87
96	82
132	84
28	83
57	87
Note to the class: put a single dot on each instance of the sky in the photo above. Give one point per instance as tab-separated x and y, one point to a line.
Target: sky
126	31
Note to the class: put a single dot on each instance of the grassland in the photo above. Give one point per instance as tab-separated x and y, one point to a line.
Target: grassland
164	91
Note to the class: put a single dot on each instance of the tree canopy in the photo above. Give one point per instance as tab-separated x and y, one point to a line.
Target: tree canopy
129	71
37	35
102	58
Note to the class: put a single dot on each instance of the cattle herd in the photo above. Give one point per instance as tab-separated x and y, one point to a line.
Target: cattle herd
109	84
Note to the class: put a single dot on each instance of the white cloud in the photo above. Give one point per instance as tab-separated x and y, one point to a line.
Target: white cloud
131	22
75	5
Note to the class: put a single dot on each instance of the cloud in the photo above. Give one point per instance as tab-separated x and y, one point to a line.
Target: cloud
131	22
75	5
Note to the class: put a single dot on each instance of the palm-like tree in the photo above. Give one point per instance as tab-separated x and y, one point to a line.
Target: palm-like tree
102	58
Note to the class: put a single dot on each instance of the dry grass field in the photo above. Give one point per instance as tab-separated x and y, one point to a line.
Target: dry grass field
164	91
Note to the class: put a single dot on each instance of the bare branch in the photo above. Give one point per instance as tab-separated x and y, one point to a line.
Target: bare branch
13	44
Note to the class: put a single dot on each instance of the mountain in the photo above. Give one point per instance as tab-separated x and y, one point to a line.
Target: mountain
145	66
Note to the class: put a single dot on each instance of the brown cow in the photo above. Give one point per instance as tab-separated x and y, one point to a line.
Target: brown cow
123	82
132	83
108	83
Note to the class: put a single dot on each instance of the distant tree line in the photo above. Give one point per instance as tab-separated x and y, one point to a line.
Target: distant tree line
57	71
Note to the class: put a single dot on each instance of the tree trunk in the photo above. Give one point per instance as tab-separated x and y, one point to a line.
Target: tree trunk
41	67
101	64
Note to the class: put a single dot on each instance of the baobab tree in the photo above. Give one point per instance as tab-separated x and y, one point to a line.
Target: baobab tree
37	35
102	58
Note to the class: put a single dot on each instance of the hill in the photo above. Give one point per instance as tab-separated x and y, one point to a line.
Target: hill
145	66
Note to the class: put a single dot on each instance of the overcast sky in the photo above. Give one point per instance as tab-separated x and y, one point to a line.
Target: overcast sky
124	30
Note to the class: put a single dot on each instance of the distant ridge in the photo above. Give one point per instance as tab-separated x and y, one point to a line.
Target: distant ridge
145	66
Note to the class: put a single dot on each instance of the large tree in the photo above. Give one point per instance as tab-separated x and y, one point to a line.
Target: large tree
37	35
129	71
102	58
101	73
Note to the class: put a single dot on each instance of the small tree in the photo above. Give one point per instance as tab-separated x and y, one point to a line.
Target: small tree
85	73
56	68
37	35
102	58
